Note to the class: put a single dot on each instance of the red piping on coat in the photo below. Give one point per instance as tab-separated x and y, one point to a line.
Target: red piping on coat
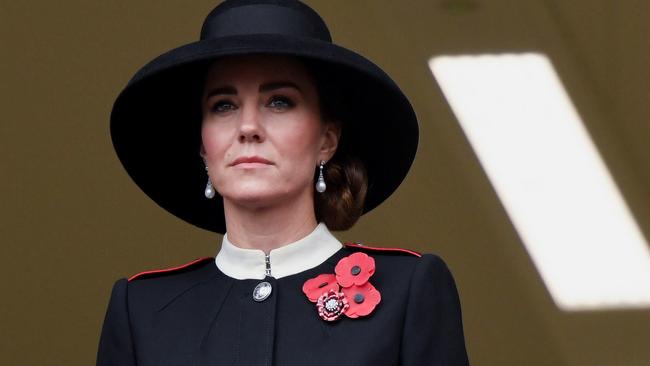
198	260
363	246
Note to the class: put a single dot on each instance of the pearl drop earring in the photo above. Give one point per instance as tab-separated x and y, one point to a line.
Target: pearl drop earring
209	189
320	184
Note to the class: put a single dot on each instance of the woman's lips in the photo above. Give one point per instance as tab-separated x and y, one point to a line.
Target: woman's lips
250	162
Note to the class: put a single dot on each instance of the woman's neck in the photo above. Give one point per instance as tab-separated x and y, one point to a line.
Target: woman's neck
271	227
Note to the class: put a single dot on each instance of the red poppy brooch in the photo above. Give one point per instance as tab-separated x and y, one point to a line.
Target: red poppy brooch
345	292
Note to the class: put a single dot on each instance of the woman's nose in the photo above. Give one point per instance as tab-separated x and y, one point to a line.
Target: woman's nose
250	128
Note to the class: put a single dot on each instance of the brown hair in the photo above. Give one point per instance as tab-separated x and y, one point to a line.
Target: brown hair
342	203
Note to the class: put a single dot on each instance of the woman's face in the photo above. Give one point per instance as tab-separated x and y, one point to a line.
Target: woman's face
262	130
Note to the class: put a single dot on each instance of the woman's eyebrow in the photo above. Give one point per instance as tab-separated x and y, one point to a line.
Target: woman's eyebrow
230	90
278	85
227	90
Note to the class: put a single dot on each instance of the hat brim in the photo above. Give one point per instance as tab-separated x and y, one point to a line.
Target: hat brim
156	121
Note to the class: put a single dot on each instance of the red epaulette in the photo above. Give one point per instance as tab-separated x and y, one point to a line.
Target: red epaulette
380	249
173	269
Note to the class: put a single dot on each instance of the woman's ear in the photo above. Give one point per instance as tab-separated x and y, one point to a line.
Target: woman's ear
202	152
331	137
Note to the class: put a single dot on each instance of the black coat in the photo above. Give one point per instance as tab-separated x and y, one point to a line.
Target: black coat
196	315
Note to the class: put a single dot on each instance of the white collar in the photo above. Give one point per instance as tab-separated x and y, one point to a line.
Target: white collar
289	259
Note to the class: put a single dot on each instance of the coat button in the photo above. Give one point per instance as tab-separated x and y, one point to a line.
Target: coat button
262	291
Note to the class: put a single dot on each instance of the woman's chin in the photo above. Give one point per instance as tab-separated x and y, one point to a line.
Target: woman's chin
254	197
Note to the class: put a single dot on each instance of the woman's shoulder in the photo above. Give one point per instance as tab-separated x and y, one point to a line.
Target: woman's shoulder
157	287
394	251
401	260
412	277
174	278
394	254
189	268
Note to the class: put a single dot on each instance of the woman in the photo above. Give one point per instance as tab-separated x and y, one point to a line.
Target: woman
297	136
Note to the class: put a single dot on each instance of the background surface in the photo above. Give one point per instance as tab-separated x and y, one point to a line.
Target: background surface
72	222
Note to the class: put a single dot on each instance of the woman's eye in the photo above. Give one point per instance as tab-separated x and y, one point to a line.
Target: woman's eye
222	106
279	102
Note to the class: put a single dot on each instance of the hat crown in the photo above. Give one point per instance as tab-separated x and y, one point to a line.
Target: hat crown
247	17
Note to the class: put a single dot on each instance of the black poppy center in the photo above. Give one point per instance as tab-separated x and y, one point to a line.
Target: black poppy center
355	270
358	298
322	285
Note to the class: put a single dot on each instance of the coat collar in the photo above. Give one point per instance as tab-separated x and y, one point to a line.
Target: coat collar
287	260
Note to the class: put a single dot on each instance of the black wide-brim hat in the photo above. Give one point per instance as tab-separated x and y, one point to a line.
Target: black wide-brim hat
156	119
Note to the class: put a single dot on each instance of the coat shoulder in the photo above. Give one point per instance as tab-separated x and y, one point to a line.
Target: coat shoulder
154	289
399	260
358	246
186	268
393	261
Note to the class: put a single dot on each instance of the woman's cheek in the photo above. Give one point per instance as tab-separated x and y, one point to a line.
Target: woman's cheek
301	137
213	142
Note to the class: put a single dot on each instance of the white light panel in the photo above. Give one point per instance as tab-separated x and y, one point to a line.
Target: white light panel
550	178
